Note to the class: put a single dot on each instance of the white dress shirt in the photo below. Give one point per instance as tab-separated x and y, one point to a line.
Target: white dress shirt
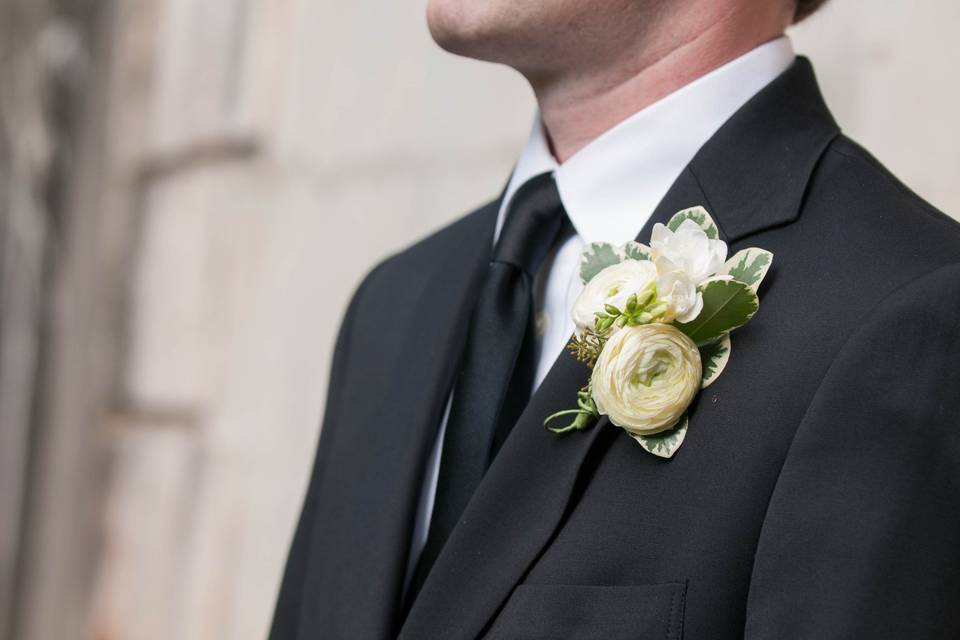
609	189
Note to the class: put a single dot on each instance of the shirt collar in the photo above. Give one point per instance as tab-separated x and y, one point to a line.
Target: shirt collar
611	186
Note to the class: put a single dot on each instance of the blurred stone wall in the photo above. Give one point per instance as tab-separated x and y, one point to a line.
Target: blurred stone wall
59	298
246	162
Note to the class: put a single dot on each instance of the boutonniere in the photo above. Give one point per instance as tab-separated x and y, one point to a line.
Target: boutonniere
653	323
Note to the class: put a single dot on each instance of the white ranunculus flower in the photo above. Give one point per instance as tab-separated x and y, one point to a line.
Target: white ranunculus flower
689	249
675	287
646	377
611	286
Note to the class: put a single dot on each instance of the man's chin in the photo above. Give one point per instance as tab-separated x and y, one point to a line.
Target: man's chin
471	36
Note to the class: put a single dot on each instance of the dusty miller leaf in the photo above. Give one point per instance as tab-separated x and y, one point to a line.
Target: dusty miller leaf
597	257
635	251
698	215
748	266
714	357
665	443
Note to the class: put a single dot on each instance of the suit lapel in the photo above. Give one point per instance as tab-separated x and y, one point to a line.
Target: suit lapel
755	170
751	175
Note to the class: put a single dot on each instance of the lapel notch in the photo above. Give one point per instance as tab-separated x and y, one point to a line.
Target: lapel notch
754	171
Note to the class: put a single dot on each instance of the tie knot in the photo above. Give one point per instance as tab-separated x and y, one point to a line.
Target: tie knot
534	219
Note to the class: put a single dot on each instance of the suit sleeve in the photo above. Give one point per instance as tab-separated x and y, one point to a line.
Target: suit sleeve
861	537
286	617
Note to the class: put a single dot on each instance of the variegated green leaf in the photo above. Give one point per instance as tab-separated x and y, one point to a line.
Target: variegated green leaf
714	357
748	266
665	443
726	305
698	215
597	257
635	251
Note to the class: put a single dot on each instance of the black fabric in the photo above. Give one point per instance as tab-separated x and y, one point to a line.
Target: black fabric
528	361
488	380
575	612
816	494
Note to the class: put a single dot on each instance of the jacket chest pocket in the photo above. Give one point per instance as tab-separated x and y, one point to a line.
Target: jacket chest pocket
554	612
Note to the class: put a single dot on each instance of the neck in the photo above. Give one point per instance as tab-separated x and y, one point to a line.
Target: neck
578	105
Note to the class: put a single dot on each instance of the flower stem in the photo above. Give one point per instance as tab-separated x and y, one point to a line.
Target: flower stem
585	414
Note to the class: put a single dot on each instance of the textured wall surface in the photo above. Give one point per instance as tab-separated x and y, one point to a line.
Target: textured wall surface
267	153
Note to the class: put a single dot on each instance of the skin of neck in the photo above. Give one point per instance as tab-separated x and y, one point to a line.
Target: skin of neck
581	99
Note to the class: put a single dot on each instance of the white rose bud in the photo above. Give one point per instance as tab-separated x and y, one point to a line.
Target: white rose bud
689	249
646	377
611	286
679	291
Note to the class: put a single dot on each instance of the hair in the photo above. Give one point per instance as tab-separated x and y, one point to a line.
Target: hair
806	8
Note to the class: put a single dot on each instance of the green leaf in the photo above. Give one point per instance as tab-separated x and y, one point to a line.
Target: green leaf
635	251
714	357
727	304
597	257
665	443
698	215
748	266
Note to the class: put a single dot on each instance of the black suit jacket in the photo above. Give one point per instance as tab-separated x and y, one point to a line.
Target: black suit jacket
817	494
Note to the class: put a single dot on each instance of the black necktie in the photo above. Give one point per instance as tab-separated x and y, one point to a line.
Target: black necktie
496	375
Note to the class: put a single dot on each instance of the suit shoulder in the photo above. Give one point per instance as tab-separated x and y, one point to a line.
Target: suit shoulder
852	187
411	265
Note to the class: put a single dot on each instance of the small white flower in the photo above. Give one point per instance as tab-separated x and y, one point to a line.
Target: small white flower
675	287
646	377
689	249
611	286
